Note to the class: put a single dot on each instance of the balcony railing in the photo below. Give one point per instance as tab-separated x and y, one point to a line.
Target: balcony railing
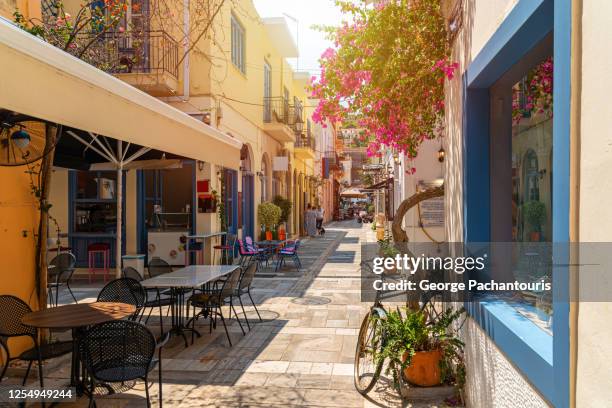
278	109
153	52
305	142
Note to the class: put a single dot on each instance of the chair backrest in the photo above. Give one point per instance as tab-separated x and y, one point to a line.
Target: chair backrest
248	275
158	266
13	310
242	249
63	261
129	272
123	349
250	246
124	290
231	284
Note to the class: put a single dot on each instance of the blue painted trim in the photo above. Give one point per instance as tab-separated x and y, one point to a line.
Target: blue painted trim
561	197
524	27
476	187
527	24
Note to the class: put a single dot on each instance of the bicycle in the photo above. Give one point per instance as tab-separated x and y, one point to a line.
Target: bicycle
370	339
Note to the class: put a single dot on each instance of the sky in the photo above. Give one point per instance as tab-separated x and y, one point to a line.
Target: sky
311	42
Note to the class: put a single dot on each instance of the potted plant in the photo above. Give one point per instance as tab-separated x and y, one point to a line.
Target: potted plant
285	205
268	215
424	350
535	215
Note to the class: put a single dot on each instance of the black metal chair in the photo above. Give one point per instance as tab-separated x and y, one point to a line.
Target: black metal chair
120	351
124	290
60	275
211	303
157	298
244	287
158	266
13	310
129	272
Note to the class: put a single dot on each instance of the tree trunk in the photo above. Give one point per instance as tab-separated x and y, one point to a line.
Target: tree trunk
51	133
399	235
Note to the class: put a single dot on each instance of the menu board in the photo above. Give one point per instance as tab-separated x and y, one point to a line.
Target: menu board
432	210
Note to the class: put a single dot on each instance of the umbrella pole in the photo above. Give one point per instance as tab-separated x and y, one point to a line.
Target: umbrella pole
119	209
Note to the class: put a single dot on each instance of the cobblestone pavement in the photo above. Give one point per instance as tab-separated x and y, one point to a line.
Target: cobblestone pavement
300	355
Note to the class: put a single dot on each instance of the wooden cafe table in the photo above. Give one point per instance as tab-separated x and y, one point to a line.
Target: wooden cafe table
77	317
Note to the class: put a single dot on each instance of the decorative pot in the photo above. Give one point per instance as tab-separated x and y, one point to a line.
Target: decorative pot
424	368
268	235
282	234
534	236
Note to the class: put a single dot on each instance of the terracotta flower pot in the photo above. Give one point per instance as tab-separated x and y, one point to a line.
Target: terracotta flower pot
424	368
268	235
534	236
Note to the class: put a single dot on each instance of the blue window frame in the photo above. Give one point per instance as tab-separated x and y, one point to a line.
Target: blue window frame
542	358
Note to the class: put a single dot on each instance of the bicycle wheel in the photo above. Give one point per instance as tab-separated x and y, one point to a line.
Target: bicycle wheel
369	341
432	304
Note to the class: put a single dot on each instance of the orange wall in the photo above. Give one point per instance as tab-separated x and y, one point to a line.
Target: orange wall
18	222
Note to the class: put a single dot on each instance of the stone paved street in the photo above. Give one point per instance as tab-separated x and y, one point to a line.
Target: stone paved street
300	355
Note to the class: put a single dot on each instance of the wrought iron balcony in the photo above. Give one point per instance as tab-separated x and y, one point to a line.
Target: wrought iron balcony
305	141
133	52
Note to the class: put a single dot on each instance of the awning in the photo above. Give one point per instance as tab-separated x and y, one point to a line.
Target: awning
44	82
379	186
352	193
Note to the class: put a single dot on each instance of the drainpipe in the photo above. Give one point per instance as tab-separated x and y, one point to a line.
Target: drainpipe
187	32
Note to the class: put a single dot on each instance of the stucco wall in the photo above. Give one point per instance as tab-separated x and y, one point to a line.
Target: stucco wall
492	380
595	190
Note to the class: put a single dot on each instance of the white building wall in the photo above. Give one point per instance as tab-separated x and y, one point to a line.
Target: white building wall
594	330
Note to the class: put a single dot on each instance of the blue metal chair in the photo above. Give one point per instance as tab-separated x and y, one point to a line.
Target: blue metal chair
289	251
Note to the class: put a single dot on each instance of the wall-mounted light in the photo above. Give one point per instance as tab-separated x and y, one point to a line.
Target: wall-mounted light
200	165
20	138
441	154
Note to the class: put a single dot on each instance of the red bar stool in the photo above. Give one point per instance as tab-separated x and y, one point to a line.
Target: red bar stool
93	250
225	249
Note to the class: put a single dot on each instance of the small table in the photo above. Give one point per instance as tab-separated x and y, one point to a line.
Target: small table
189	277
77	317
202	237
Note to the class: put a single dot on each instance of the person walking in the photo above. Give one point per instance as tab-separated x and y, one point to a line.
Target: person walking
310	219
320	218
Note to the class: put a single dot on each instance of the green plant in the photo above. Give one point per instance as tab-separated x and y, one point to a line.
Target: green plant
386	246
268	214
413	331
535	214
285	205
220	209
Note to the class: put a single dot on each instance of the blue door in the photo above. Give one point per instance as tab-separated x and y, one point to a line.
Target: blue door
248	204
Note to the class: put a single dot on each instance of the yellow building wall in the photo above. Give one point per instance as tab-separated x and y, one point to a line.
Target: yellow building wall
29	8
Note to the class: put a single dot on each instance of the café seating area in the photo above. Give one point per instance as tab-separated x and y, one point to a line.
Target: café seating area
111	340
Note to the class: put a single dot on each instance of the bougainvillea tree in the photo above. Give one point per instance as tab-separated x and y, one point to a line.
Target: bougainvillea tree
387	68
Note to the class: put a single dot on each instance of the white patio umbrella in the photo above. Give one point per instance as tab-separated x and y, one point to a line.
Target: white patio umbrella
119	161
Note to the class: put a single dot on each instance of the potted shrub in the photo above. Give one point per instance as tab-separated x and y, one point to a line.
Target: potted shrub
535	215
285	205
268	215
424	350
